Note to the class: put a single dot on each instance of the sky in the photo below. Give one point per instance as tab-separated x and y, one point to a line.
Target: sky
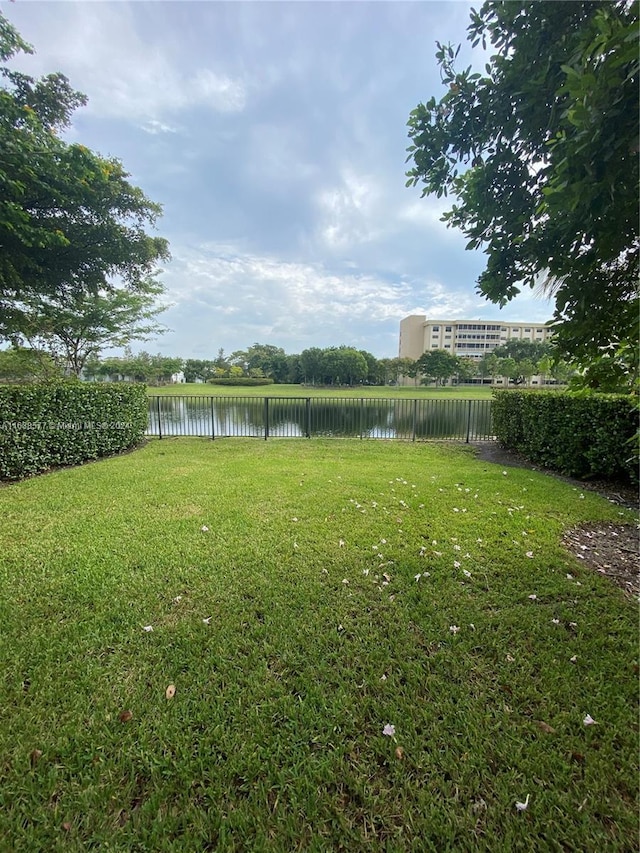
274	136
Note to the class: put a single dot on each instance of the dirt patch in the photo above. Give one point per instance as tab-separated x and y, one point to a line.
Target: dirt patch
612	550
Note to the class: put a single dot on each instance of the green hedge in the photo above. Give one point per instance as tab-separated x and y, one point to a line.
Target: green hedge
241	381
580	435
47	425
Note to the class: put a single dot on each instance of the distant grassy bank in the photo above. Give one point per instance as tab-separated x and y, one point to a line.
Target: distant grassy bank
467	392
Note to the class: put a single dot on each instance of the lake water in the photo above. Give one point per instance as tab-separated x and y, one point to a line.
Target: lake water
264	417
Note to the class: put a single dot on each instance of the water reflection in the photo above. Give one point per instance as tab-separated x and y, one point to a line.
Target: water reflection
264	417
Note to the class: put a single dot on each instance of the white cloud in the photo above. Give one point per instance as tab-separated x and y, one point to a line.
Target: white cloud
155	127
103	50
349	211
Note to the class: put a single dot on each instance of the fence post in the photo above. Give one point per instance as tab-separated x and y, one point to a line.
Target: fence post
415	419
308	417
213	421
159	421
266	418
468	421
361	417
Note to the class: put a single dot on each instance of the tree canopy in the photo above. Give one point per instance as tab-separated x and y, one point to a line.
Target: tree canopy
77	325
541	153
71	224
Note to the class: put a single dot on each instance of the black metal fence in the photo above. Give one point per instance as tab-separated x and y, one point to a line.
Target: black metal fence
306	417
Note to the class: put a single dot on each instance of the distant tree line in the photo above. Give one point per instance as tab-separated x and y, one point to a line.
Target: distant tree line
516	362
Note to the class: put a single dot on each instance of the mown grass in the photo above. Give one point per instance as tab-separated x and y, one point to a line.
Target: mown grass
317	635
466	392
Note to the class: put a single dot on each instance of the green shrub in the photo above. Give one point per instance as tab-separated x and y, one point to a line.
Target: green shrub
583	435
66	423
241	381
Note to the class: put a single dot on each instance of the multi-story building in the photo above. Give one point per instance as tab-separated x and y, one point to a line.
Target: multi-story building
465	338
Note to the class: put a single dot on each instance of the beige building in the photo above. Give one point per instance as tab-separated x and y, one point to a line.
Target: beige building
465	338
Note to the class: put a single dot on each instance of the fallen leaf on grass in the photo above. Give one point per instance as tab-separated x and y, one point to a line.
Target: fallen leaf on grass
545	727
66	826
400	753
36	755
125	716
170	692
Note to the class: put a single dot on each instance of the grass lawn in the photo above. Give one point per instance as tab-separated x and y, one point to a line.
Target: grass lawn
305	597
466	392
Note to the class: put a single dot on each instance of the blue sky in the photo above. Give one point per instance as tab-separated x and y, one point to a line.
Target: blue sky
274	136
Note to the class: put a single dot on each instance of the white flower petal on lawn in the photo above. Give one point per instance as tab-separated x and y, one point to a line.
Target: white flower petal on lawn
418	576
533	597
510	658
522	807
466	573
454	629
345	580
456	564
389	730
574	659
341	543
556	621
204	528
588	720
529	554
148	628
207	620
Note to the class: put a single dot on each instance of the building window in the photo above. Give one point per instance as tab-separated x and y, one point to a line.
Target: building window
447	346
527	330
436	328
447	328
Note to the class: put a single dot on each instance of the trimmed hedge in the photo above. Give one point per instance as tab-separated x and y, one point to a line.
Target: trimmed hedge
584	436
241	381
67	423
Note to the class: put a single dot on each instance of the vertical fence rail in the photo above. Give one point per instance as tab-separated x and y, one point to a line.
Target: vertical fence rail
332	417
